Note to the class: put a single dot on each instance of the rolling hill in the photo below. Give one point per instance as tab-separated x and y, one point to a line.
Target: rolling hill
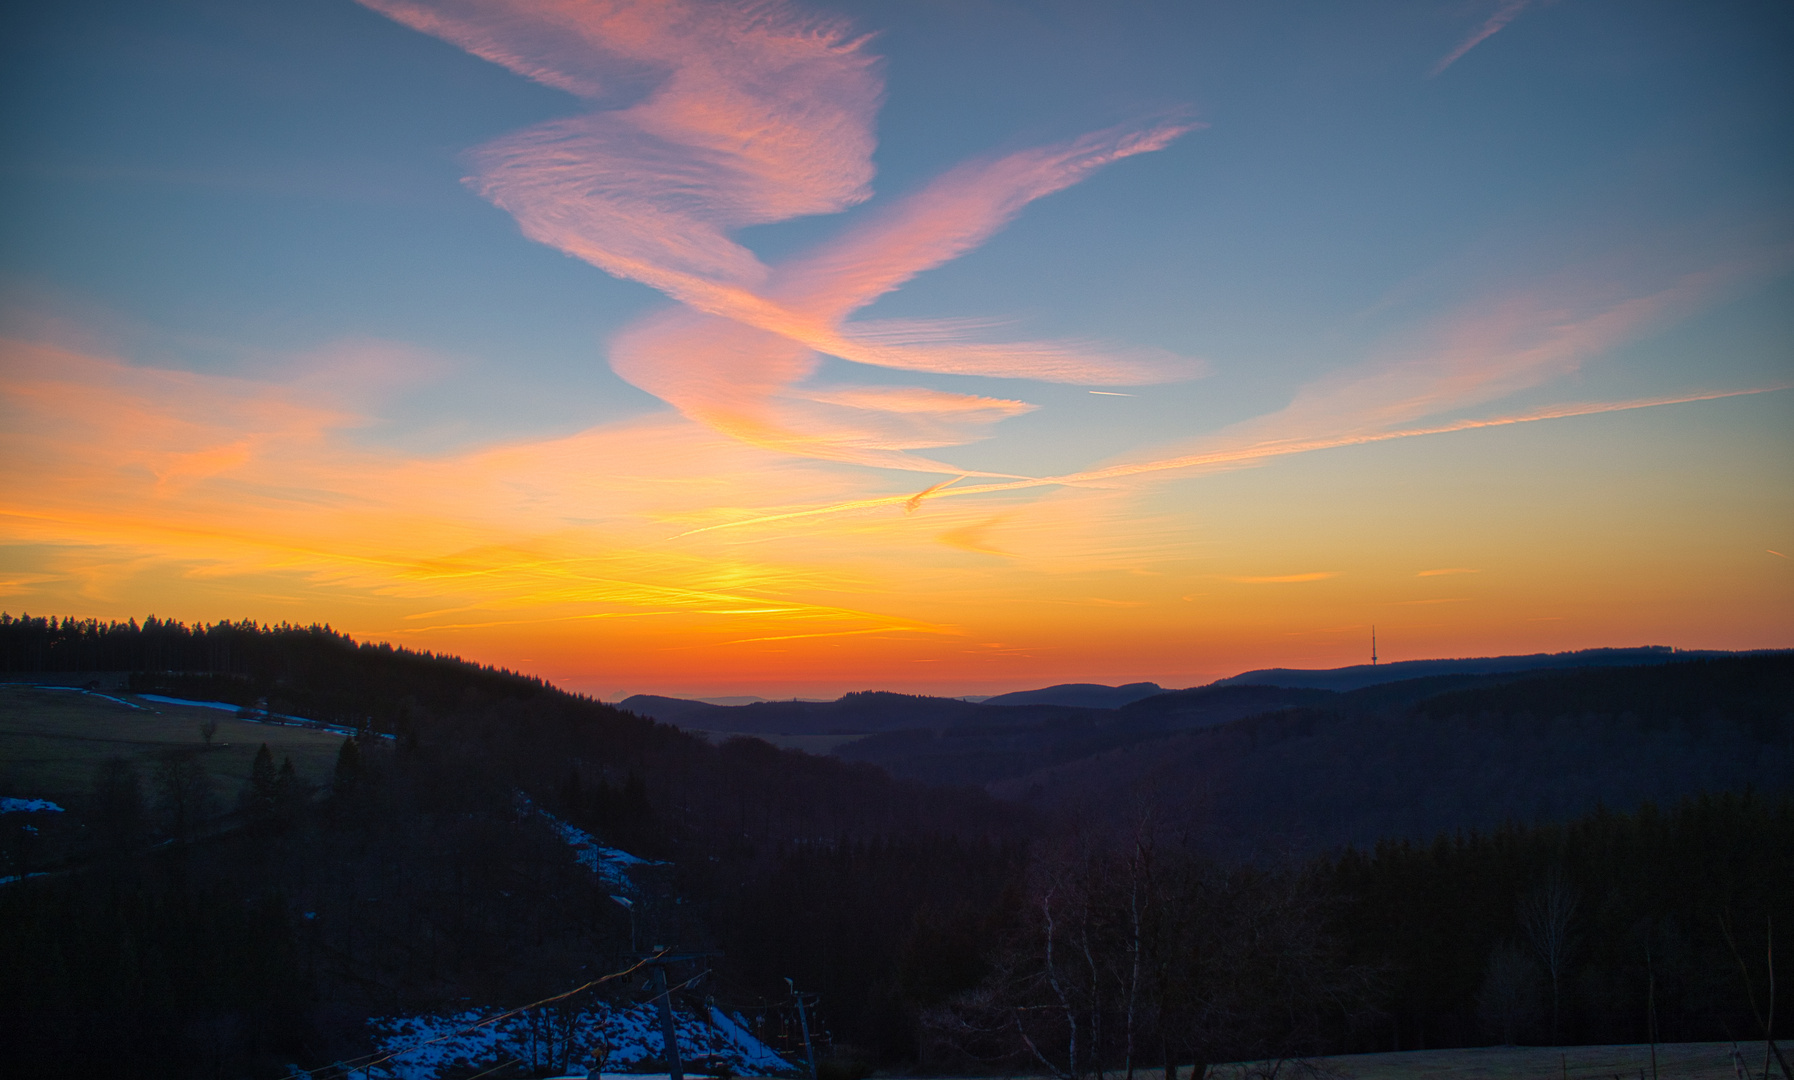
1307	760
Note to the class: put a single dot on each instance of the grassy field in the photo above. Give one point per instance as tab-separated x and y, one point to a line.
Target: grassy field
52	740
1681	1061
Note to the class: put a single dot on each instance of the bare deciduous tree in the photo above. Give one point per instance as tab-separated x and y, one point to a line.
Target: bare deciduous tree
1547	915
1766	1022
1127	944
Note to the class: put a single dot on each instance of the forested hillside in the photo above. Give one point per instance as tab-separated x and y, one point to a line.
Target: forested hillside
1136	950
1410	759
1262	768
1593	931
1186	853
416	882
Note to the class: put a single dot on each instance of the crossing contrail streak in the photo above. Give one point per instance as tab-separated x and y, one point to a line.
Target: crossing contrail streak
1254	452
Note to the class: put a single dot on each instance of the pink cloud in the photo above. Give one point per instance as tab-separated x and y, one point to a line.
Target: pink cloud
755	113
740	368
1496	346
1494	24
949	217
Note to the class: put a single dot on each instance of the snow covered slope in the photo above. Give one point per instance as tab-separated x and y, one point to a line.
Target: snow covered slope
626	1036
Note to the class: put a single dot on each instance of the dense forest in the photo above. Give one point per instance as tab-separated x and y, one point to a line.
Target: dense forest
1267	769
942	928
1607	928
414	882
1410	759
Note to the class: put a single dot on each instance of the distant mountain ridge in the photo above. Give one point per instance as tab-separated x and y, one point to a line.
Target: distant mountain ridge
1080	695
1456	751
685	712
1313	759
875	711
861	712
1362	675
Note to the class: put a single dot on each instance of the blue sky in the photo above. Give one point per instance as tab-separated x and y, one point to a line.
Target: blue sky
1585	209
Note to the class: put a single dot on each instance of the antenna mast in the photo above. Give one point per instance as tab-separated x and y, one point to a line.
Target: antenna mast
1373	644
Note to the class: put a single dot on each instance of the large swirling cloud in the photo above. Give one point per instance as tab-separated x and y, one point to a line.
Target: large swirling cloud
704	118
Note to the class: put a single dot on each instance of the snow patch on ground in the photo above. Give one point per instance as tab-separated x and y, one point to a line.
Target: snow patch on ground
620	1036
426	1047
28	806
278	719
192	704
115	700
612	865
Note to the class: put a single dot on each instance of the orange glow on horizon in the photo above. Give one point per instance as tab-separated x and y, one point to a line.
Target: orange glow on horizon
136	490
1541	429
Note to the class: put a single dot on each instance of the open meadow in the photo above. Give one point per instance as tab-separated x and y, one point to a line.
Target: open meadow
52	739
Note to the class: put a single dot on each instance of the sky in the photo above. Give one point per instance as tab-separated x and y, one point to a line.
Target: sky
705	348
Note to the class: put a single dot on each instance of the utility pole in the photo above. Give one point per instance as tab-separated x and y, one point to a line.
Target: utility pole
667	1030
628	905
1651	1010
657	961
803	1020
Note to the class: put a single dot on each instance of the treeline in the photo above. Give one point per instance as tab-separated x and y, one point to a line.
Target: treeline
1128	951
1122	953
1602	930
311	671
148	972
414	884
881	930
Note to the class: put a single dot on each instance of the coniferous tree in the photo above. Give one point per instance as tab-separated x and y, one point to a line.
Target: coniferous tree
118	815
289	792
260	793
348	768
183	794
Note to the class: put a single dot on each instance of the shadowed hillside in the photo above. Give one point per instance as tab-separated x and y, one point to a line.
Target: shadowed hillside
421	873
1407	760
462	853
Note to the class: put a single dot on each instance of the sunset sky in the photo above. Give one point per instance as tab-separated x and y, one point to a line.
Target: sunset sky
948	346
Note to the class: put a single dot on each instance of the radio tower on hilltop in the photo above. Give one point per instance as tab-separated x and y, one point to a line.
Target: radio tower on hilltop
1373	645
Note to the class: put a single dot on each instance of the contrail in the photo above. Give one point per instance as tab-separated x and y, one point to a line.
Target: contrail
1255	452
1507	13
916	499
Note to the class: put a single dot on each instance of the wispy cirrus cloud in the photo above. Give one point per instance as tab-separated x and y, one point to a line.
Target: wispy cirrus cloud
752	113
1494	24
1486	350
1286	579
1227	456
123	470
1489	349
